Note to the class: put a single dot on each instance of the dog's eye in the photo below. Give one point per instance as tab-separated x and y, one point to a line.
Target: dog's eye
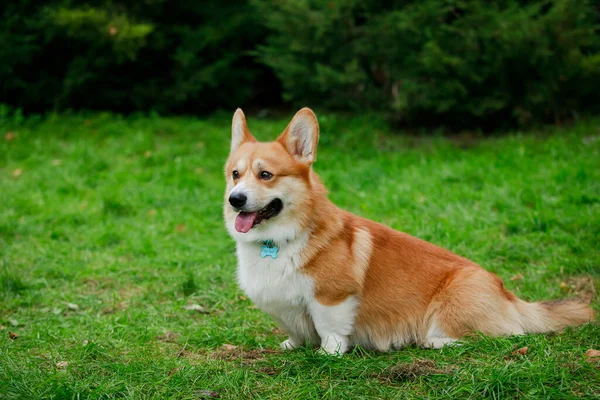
266	175
235	174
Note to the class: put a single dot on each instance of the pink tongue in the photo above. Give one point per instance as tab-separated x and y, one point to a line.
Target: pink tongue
244	221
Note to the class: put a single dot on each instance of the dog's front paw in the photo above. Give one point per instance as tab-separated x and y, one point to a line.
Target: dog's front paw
329	352
287	345
334	345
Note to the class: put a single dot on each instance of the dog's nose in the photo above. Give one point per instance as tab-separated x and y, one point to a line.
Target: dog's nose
238	200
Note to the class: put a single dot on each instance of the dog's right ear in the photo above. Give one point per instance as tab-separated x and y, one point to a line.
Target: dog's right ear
239	131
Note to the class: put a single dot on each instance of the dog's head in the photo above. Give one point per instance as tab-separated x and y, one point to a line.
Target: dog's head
268	194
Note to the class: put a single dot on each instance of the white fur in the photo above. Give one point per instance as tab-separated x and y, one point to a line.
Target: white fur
278	287
334	324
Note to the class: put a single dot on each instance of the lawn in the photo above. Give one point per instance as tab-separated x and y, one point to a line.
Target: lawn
117	277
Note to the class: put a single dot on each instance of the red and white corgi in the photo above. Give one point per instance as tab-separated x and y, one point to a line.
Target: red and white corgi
334	279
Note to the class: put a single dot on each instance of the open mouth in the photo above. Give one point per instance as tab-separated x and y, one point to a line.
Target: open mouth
248	220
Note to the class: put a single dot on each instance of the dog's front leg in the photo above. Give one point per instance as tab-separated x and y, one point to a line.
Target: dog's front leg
334	324
299	327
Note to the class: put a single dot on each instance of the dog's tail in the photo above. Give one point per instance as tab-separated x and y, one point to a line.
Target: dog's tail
547	316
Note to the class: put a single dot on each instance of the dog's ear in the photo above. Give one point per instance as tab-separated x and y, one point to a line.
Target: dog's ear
301	136
239	130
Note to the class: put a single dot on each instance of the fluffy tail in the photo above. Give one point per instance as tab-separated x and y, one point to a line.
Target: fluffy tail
554	315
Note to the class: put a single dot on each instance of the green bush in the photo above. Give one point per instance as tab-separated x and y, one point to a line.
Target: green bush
169	56
459	63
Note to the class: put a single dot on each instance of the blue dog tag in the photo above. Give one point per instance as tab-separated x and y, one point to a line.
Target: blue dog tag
269	249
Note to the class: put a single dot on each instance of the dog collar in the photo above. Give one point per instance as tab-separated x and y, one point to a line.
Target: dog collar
269	249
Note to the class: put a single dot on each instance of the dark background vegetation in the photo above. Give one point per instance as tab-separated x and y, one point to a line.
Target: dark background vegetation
478	63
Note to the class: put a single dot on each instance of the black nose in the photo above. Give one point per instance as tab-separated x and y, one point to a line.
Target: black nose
238	200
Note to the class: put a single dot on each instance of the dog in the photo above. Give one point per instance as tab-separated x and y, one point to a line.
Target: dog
335	280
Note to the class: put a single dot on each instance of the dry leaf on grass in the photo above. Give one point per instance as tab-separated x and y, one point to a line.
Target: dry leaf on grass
517	277
592	355
207	394
17	172
522	351
228	346
72	306
169	337
62	364
175	370
12	335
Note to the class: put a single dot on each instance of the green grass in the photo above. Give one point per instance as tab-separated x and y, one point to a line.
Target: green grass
110	226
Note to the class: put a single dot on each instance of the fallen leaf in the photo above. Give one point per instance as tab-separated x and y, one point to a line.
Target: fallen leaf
228	346
197	308
9	136
207	394
592	355
72	306
12	335
17	172
56	162
516	277
174	370
563	285
522	351
243	298
85	342
112	30
180	228
62	364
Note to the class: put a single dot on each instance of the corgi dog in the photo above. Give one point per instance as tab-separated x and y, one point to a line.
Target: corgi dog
335	280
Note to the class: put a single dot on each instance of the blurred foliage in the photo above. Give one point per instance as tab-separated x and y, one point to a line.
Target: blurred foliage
444	62
458	63
168	56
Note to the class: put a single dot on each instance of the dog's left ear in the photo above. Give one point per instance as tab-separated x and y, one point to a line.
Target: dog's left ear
301	136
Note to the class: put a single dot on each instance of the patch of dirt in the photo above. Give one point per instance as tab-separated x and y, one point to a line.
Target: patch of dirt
168	337
403	372
582	287
228	352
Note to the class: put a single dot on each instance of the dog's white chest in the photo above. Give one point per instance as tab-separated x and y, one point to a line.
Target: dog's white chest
274	284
